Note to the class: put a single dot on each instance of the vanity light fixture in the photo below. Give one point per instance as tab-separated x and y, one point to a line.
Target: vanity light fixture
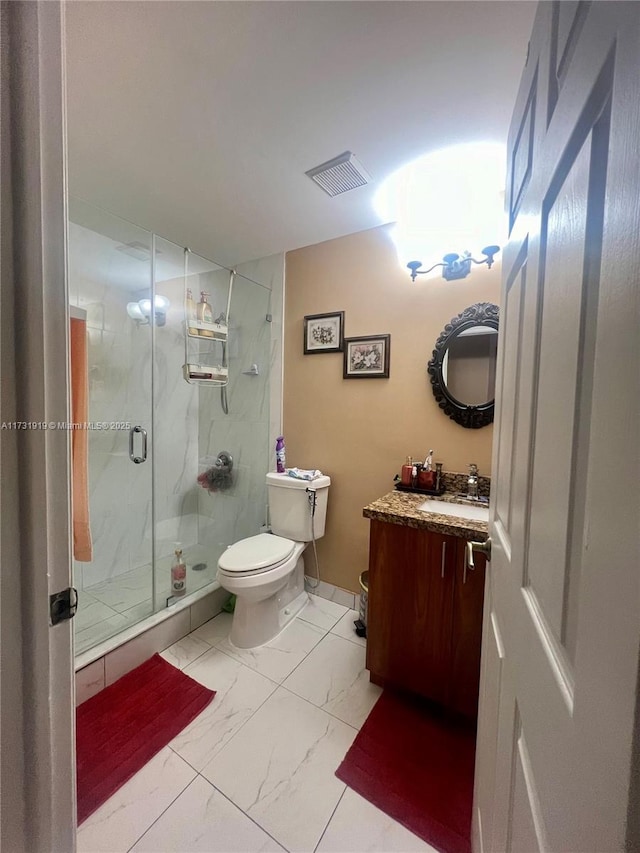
455	266
140	311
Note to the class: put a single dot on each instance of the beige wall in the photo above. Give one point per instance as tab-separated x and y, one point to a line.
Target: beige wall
359	431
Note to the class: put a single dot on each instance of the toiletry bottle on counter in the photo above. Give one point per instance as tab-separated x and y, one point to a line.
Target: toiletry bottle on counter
191	312
405	475
178	573
427	476
280	459
205	314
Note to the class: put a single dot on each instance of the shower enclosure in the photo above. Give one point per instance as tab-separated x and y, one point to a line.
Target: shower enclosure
151	433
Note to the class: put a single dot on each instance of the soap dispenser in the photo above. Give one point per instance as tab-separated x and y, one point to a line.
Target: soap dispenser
407	468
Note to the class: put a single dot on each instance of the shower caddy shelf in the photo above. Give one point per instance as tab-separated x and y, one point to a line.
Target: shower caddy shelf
198	361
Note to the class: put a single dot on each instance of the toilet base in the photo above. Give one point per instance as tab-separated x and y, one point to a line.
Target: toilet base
258	622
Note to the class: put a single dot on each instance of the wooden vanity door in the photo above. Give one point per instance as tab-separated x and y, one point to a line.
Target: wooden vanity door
411	588
466	635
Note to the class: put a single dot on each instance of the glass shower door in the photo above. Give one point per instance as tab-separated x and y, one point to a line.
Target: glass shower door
111	293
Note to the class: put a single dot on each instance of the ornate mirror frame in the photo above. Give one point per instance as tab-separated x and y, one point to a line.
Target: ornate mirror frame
471	417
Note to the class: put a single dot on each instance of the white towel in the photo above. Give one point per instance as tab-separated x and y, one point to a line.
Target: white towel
301	474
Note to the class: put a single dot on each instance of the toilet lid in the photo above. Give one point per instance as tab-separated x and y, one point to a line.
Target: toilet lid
256	552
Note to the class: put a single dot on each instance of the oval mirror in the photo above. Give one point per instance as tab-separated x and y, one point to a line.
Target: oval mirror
463	366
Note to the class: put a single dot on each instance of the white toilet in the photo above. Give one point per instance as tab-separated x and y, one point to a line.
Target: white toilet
266	572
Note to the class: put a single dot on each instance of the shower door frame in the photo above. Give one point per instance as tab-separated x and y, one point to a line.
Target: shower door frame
36	677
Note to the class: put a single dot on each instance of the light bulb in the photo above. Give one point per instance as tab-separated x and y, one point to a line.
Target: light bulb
134	311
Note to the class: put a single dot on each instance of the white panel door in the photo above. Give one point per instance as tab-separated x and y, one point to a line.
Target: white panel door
554	767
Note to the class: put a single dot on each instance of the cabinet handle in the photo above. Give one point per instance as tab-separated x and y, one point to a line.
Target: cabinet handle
444	551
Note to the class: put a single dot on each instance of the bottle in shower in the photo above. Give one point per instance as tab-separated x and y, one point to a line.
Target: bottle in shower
205	314
191	312
280	454
178	573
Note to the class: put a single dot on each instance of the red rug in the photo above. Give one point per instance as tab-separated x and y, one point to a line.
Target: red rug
121	728
416	765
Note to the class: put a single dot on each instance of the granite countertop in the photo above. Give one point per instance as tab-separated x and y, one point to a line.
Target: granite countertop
402	508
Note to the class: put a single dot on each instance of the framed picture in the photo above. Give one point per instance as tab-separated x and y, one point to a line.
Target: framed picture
367	357
324	332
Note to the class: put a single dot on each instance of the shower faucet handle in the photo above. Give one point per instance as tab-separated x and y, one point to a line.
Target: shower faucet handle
224	460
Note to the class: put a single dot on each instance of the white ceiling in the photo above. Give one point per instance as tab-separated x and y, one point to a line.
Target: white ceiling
198	120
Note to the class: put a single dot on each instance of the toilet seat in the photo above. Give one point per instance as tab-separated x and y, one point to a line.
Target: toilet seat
256	554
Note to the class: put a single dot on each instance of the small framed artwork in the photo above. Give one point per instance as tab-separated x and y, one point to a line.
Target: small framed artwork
324	332
367	357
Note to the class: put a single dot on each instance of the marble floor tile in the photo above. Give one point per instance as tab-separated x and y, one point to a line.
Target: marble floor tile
122	592
90	611
239	693
202	820
129	813
322	612
280	769
281	656
344	628
185	651
332	593
333	677
90	636
215	629
359	827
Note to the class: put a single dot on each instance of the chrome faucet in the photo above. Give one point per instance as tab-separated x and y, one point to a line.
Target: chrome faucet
472	483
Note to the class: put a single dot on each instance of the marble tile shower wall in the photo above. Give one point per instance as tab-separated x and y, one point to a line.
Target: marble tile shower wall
176	445
270	272
226	516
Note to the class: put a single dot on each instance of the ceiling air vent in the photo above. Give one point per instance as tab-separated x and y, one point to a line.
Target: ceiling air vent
136	250
340	175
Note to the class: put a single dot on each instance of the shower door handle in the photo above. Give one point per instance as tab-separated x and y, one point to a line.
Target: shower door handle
132	456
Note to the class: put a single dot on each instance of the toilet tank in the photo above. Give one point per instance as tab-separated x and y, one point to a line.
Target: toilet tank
289	510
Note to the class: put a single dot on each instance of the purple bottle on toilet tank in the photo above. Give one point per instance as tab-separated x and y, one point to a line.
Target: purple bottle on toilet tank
280	454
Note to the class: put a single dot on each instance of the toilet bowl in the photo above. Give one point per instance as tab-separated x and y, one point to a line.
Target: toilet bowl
266	572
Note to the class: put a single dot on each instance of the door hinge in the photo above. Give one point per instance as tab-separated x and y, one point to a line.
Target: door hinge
63	605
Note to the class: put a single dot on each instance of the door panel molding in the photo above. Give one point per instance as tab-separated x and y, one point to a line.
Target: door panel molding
521	162
567	21
513	301
559	666
528	827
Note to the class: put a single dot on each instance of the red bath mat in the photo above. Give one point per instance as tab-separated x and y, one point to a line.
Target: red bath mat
121	728
416	764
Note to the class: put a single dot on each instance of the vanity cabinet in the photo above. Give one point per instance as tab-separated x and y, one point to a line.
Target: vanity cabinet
424	620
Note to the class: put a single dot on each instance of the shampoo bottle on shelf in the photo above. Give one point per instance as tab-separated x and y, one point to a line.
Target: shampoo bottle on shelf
178	573
190	311
205	314
280	459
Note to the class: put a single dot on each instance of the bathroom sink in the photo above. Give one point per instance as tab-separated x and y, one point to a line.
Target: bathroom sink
475	512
